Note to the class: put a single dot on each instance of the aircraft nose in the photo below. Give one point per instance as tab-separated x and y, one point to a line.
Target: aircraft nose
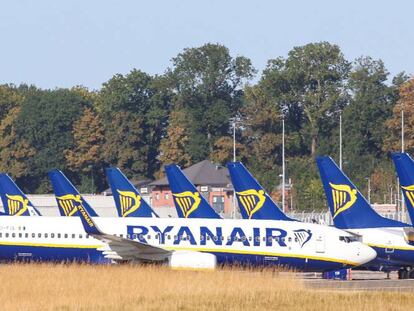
366	254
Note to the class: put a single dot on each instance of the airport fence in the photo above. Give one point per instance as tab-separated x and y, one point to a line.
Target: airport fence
325	218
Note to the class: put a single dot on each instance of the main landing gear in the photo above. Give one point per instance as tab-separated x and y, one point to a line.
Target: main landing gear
406	273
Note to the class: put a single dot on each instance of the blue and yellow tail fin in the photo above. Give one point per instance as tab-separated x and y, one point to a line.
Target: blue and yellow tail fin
67	196
128	201
15	202
349	208
188	201
404	165
254	202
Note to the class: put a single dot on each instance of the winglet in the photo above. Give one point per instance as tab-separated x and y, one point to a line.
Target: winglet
128	200
189	203
15	202
349	208
67	196
88	224
254	202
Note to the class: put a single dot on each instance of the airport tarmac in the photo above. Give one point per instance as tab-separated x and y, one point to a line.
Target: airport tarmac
361	281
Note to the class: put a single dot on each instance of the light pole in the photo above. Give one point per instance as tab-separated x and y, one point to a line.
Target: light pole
283	165
234	160
369	189
402	150
90	166
340	140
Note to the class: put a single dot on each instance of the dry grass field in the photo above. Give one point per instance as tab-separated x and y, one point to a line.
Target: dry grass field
125	287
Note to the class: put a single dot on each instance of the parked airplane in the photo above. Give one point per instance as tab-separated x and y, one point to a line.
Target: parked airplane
196	243
15	202
189	203
128	201
253	200
404	165
67	196
350	211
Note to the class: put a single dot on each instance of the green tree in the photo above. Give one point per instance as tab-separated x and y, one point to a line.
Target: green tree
207	82
406	102
134	110
173	146
45	122
364	118
262	129
86	157
310	87
15	152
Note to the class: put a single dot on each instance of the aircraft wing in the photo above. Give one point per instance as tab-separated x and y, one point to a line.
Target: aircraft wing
118	248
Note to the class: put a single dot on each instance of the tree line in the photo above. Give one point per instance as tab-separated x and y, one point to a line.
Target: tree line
140	122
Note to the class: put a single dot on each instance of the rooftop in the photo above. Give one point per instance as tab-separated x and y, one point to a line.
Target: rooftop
202	173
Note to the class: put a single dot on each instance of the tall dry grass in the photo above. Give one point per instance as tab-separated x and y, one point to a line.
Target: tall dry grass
125	287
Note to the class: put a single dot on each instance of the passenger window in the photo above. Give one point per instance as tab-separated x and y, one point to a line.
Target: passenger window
157	236
7	235
140	236
46	235
73	235
202	238
250	238
80	236
121	235
0	234
52	235
215	238
148	237
257	239
264	239
169	237
66	235
289	239
13	235
20	235
39	235
58	235
33	235
26	235
208	238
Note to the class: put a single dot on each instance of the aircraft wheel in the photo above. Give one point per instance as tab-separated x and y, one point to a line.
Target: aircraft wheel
403	274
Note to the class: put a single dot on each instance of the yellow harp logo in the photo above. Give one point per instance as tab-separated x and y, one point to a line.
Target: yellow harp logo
252	200
69	203
187	201
17	204
129	201
409	193
343	198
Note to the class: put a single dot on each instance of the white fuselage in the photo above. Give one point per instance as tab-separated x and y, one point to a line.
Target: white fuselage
299	245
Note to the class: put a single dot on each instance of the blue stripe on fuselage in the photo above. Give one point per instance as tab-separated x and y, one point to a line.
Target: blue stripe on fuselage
92	255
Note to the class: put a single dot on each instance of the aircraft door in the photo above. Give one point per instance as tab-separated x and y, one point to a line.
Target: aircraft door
320	243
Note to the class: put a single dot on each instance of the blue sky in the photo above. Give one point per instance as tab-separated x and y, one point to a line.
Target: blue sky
66	43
